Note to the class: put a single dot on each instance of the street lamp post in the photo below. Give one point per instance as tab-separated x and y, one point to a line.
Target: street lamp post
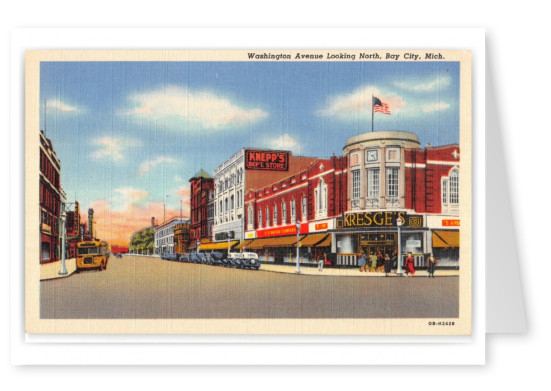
63	271
298	253
399	225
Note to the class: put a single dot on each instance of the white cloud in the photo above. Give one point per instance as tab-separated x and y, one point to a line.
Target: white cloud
148	165
428	108
197	107
59	106
358	103
112	147
426	85
127	196
285	142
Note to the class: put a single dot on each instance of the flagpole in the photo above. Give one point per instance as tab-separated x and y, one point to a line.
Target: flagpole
372	113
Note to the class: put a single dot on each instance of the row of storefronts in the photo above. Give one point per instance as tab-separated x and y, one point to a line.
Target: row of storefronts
383	194
346	205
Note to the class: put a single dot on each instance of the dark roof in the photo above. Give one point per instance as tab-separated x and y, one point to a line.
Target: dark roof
202	174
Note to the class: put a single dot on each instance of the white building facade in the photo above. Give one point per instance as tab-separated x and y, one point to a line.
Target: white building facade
164	236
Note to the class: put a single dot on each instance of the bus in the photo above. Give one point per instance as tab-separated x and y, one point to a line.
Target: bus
93	254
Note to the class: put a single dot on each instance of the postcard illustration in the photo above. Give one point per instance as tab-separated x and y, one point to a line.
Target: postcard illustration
307	192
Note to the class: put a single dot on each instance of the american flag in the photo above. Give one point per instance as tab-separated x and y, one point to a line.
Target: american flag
380	107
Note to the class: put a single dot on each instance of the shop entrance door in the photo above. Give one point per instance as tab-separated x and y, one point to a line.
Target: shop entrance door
378	242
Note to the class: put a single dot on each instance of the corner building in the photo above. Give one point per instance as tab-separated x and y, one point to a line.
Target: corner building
391	178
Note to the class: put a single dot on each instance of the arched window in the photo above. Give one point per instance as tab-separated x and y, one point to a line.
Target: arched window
267	217
283	213
275	214
450	192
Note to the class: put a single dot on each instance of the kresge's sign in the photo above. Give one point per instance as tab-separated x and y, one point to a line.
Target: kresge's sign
267	160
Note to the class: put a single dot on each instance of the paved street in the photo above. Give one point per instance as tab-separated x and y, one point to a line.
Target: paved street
151	288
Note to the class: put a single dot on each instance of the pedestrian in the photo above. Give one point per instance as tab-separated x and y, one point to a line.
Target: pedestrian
395	260
388	264
321	261
373	259
408	265
362	262
431	263
380	260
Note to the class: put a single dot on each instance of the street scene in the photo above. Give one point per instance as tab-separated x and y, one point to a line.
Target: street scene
251	189
139	287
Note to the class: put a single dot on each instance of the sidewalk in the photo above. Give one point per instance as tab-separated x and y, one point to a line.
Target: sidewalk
49	271
348	272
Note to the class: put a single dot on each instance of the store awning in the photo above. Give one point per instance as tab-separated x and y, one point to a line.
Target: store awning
283	241
244	244
312	240
258	244
325	242
445	239
217	246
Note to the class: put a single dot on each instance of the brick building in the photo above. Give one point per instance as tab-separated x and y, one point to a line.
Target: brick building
313	198
51	199
201	196
235	176
391	178
353	203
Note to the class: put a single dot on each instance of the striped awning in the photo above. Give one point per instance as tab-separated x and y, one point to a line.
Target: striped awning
216	246
445	239
312	240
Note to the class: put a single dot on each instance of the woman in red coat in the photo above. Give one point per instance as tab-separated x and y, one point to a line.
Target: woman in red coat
408	265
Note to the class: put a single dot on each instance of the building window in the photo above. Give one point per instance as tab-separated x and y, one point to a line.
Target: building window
392	182
231	203
304	209
275	214
251	218
321	200
373	183
259	218
445	191
267	217
226	205
355	189
293	212
454	187
283	213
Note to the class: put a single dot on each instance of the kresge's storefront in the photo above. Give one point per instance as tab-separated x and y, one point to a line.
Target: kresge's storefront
377	232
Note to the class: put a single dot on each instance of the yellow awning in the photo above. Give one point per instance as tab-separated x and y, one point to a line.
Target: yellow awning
283	241
216	246
258	243
244	244
445	239
312	239
325	242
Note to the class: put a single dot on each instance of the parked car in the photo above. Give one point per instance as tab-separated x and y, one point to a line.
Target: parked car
216	258
250	260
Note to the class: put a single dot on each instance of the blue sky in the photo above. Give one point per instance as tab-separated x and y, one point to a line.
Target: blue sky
130	134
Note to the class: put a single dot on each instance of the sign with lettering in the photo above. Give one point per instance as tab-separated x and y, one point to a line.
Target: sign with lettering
450	223
267	160
281	231
380	219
